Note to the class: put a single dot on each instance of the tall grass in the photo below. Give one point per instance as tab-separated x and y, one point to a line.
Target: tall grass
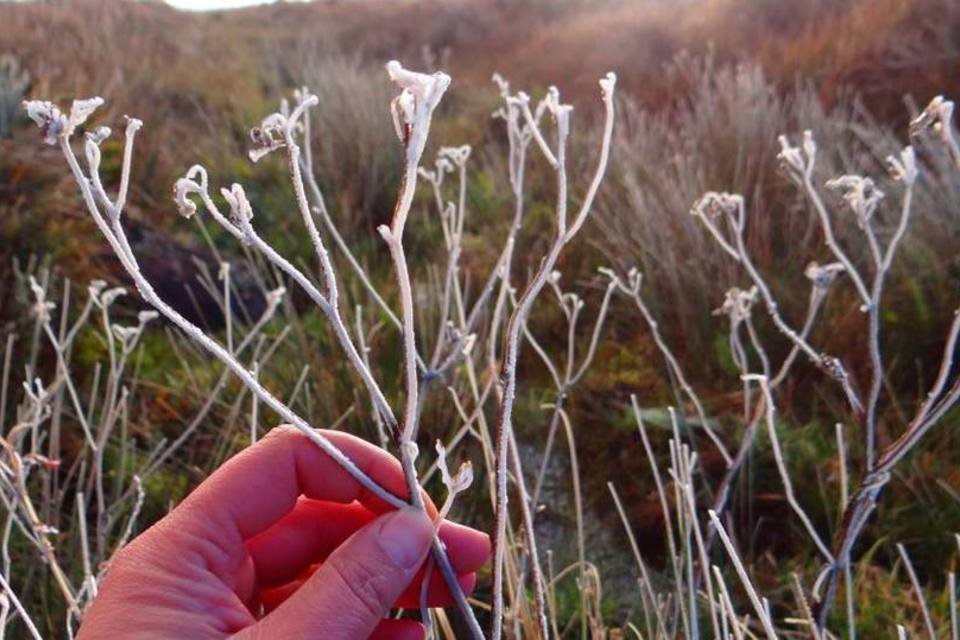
731	487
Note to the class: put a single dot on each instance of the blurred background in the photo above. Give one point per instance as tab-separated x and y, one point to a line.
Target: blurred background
705	87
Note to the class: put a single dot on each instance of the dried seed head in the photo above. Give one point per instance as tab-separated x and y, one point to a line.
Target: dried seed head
823	276
187	186
904	168
51	121
42	308
80	110
608	272
501	83
833	366
147	316
95	288
469	342
275	297
269	136
607	85
420	93
402	110
461	481
35	391
98	135
456	155
126	335
425	89
737	304
809	145
47	117
410	449
937	116
240	209
560	111
109	296
714	204
634	279
571	301
860	194
133	125
797	162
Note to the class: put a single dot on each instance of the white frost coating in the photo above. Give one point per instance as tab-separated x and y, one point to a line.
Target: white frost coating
904	168
92	192
48	117
418	96
80	110
823	276
188	186
860	194
454	484
517	321
276	129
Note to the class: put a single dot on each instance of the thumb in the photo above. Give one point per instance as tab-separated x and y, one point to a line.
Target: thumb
358	583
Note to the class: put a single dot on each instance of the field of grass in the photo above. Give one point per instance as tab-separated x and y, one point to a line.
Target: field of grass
704	89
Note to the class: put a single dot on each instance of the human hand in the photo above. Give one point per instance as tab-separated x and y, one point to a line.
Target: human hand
248	541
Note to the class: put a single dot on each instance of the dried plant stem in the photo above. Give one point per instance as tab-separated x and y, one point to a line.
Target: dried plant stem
27	620
664	507
649	598
772	307
873	313
817	296
114	234
91	191
578	511
684	479
540	602
952	600
245	232
918	590
770	418
674	366
518	318
761	611
863	500
830	239
727	603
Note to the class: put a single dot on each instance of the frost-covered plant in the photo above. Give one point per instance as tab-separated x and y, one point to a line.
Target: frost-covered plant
286	133
691	536
482	327
73	503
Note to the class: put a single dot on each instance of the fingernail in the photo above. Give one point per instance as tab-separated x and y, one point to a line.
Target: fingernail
405	537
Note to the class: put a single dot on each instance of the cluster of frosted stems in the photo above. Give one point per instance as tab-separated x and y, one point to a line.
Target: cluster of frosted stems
459	336
283	133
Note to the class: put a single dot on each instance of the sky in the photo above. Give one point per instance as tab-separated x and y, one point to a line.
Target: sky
207	5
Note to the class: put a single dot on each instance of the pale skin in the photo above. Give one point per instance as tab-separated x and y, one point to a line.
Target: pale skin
281	542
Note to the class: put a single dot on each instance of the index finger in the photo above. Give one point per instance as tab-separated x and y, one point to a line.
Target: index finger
260	485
